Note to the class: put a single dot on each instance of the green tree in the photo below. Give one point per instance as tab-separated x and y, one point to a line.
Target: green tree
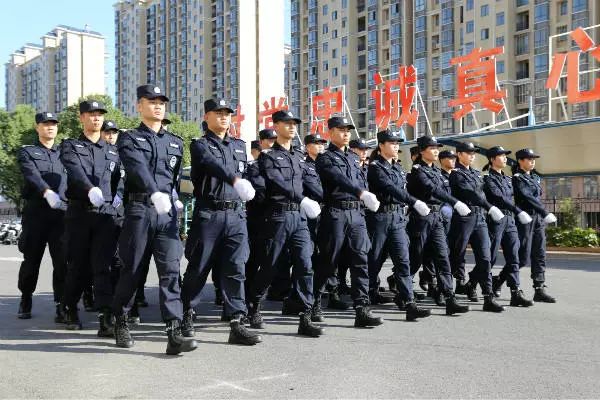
570	215
16	129
187	130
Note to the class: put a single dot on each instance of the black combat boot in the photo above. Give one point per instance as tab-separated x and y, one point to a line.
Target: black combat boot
540	294
438	297
364	318
490	304
461	287
471	291
418	295
291	306
176	342
122	335
88	300
400	302
240	335
392	284
413	312
307	327
25	307
316	314
134	315
497	283
187	323
517	299
72	319
335	302
106	328
255	318
452	306
423	283
432	291
218	298
60	317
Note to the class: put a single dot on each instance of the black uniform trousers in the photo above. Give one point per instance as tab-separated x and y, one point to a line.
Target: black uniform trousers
91	245
533	246
217	239
344	232
387	231
42	226
504	234
286	231
427	235
429	270
146	231
471	229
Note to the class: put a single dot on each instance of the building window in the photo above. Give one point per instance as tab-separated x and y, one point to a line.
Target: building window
447	15
485	33
325	47
345	41
485	10
522	3
419	5
541	63
579	5
325	8
591	186
325	29
500	19
558	187
420	25
333	15
542	12
469	5
564	7
500	41
420	45
470	26
500	67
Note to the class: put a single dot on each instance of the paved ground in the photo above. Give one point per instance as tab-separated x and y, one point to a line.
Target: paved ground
546	351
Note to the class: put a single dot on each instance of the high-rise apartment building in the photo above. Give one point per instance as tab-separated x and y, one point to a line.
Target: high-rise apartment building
343	42
199	49
50	76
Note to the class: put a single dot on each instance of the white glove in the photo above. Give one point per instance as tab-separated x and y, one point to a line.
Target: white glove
161	201
310	207
96	197
495	213
421	208
550	218
53	199
462	209
370	200
117	201
244	189
524	218
178	205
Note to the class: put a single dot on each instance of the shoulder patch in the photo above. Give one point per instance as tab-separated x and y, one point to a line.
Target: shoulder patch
174	145
239	151
416	166
79	145
517	174
266	151
141	139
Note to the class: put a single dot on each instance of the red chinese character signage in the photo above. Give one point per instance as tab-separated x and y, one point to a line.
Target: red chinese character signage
324	106
236	123
394	103
476	79
574	95
265	116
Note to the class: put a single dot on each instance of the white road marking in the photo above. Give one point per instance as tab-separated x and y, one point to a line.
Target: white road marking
17	259
237	386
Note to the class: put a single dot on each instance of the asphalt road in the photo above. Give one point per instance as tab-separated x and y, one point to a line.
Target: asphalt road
549	350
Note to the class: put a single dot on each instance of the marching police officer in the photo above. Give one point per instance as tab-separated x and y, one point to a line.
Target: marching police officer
499	192
45	182
255	149
425	183
286	226
360	147
387	226
342	227
93	171
528	193
152	160
218	236
466	183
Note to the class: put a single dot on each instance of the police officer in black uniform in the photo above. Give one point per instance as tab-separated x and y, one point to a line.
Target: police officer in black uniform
45	182
466	183
218	236
286	212
387	226
343	228
499	192
528	193
426	233
93	170
152	160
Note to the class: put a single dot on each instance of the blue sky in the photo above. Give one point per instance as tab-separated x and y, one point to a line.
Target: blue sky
26	21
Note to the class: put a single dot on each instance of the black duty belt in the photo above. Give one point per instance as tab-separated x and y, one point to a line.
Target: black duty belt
507	212
82	204
435	207
285	207
346	205
387	208
224	205
477	210
141	197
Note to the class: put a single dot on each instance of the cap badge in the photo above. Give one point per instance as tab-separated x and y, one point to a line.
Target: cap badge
95	104
222	102
156	89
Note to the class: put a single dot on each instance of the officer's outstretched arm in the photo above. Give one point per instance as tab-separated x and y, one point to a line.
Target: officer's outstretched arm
135	164
72	163
525	189
30	172
330	173
459	183
428	186
494	195
274	177
203	158
312	188
378	178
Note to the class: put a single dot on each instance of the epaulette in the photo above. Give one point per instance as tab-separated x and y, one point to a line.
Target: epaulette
416	166
177	136
517	174
251	162
26	145
266	150
374	162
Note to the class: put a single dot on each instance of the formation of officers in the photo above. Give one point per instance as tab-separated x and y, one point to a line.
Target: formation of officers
106	202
